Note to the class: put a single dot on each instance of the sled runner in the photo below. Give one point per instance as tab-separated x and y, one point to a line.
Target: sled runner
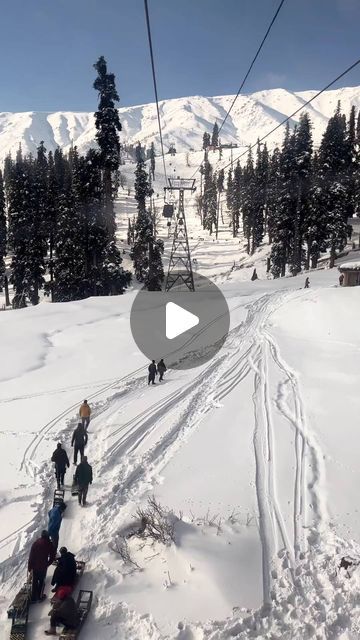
83	604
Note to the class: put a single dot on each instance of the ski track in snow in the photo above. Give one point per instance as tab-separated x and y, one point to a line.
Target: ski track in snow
249	349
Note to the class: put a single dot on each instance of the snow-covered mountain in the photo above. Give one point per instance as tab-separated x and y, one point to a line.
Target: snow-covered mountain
184	120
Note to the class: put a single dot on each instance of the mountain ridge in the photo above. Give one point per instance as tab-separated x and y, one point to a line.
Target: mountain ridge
184	120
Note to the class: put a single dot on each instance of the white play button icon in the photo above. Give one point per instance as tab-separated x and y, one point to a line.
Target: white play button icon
178	320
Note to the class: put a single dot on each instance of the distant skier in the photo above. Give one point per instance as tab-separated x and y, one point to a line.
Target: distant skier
341	279
55	517
83	477
65	572
254	275
79	441
64	612
152	372
161	368
61	460
307	283
85	413
41	556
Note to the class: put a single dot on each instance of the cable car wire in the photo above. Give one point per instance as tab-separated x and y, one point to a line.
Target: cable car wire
249	69
253	62
155	84
330	84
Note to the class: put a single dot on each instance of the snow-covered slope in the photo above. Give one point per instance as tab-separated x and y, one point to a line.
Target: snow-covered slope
184	120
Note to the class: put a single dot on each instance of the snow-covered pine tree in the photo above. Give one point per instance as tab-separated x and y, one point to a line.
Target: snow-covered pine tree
3	233
155	275
273	190
303	177
236	198
152	160
261	176
248	200
27	230
206	140
334	163
143	226
209	200
220	177
283	220
108	125
215	136
70	278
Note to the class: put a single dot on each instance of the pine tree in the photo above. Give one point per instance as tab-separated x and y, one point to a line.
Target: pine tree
209	201
70	279
27	231
303	177
143	225
206	141
108	125
152	160
334	194
3	233
282	223
220	188
236	198
215	136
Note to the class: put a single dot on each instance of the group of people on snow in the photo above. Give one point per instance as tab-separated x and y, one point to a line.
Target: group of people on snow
44	549
156	369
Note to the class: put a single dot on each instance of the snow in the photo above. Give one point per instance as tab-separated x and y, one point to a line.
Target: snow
254	453
350	266
184	121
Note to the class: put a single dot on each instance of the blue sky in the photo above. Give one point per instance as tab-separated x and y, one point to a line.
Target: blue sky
47	48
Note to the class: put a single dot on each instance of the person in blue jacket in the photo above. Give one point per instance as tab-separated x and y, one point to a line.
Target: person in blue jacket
55	517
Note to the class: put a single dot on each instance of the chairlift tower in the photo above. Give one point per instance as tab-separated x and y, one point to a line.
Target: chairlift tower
180	269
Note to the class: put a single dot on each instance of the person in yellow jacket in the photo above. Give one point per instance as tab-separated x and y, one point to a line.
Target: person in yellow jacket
85	413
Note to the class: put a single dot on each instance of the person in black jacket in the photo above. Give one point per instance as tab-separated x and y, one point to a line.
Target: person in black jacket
161	369
83	477
65	572
61	460
79	441
152	372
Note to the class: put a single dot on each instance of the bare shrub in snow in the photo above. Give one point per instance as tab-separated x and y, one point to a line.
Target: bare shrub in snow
160	523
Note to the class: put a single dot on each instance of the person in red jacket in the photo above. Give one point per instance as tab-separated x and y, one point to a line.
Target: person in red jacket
42	554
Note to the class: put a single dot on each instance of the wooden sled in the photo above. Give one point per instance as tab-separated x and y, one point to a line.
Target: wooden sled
59	495
74	488
83	604
19	612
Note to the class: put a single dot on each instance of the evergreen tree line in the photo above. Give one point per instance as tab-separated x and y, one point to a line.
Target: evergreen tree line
300	197
60	229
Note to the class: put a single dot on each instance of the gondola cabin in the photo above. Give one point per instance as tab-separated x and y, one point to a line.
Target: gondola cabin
168	210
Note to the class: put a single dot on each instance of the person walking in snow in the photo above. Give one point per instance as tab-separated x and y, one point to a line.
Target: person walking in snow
79	441
61	460
161	368
307	283
341	279
152	372
85	413
65	572
55	517
254	275
42	554
83	477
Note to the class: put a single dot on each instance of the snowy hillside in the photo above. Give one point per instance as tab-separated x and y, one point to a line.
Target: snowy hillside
255	453
184	120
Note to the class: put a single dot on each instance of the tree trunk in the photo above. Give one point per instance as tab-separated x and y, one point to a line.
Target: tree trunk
6	287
